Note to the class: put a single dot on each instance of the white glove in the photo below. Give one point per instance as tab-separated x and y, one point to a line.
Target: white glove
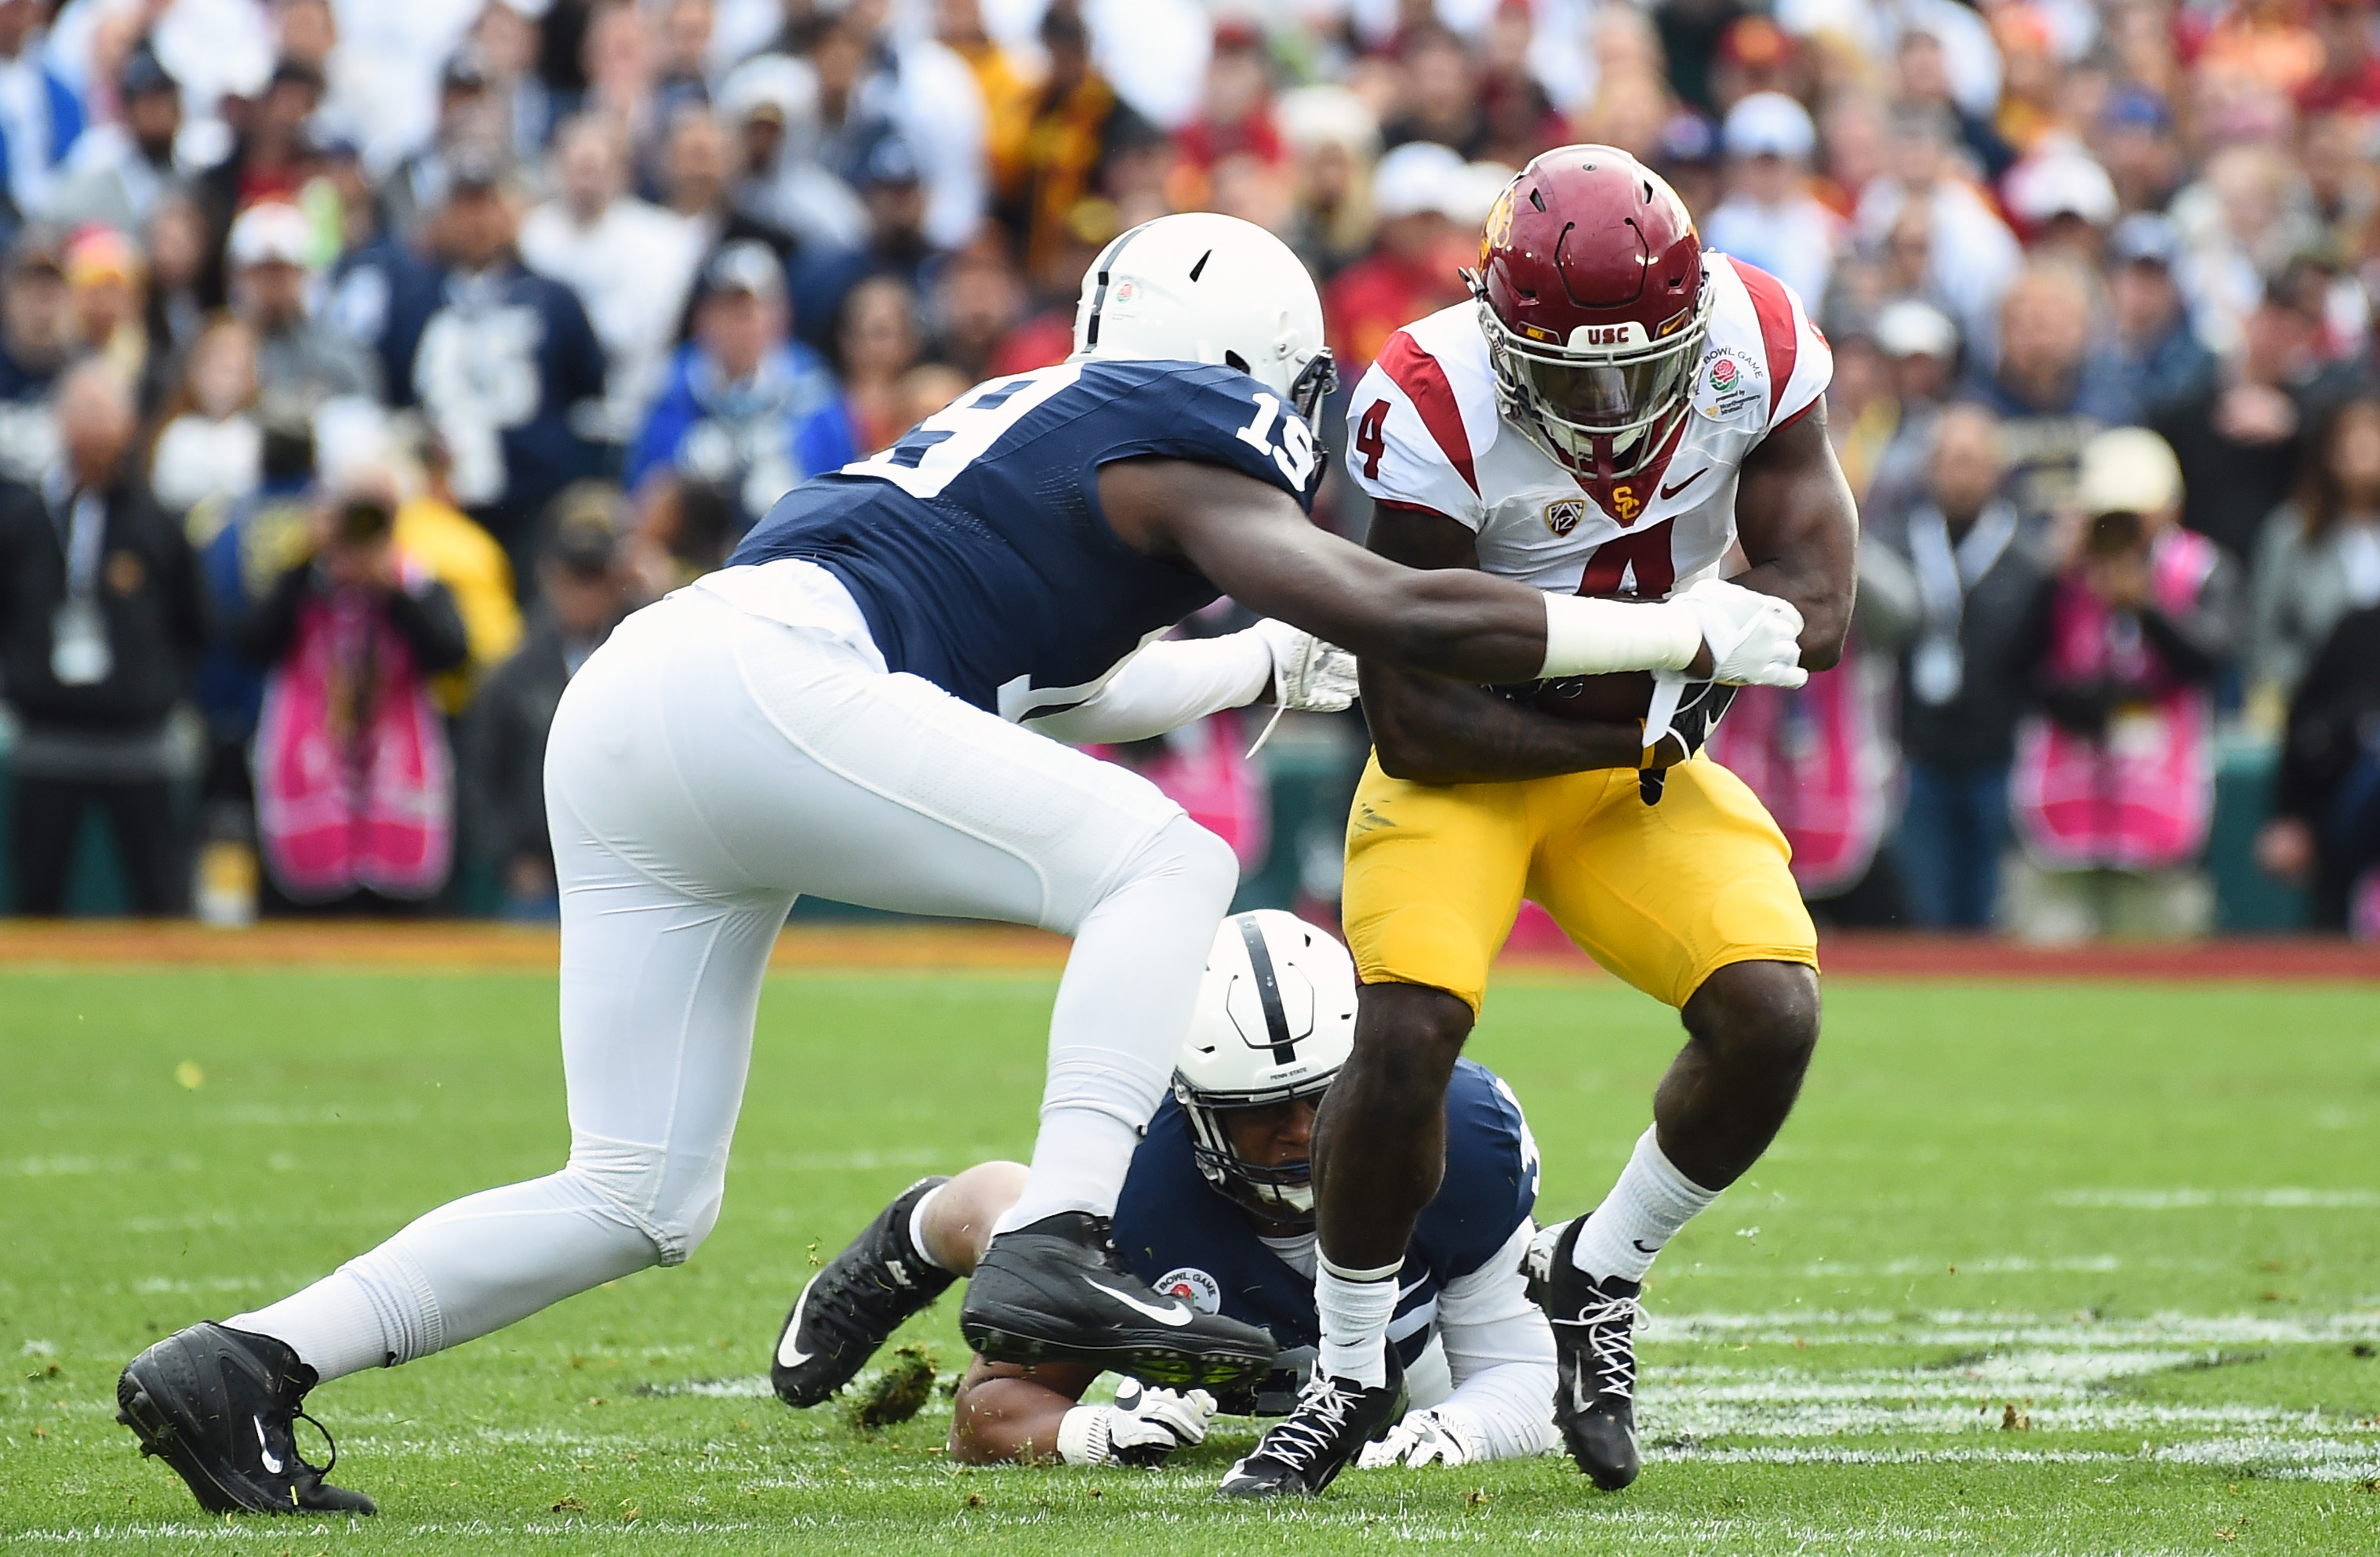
1307	672
1753	637
1143	1426
1438	1436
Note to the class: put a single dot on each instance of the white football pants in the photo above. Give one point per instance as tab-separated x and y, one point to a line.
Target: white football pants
707	767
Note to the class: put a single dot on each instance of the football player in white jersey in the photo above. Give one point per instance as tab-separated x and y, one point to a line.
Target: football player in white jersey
1617	413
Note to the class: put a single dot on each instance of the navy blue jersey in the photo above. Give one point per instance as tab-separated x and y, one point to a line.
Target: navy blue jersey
503	368
1183	1236
976	545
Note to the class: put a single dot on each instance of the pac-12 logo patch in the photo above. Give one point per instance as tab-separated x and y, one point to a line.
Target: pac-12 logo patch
1562	514
1193	1287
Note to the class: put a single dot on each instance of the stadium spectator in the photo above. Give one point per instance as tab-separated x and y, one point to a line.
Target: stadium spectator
584	589
380	291
974	303
1075	125
108	290
41	115
209	444
419	185
742	407
102	623
1769	217
1411	269
36	340
2242	439
116	172
2319	556
1920	347
1964	673
897	246
2113	782
460	555
353	774
875	345
2324	831
631	263
508	371
2051	390
2156	347
1334	139
769	108
268	162
1962	253
696	185
298	357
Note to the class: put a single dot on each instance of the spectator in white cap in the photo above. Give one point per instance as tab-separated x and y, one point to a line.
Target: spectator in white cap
1769	218
1416	253
1333	137
2063	201
1920	346
270	254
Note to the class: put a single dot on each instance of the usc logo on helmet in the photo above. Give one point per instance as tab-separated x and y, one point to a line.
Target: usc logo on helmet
1499	224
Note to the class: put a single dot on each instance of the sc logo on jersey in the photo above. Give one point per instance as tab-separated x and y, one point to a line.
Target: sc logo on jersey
1562	514
1193	1287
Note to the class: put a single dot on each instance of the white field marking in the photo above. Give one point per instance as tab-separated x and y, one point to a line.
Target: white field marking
2294	1460
2014	1264
76	1167
1976	1329
852	1162
752	1388
2192	1200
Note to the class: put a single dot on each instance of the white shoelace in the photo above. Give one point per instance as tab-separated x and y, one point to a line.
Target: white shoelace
1307	1432
1608	1324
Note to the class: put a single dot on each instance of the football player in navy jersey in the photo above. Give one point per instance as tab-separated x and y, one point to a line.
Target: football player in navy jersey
868	704
1218	1214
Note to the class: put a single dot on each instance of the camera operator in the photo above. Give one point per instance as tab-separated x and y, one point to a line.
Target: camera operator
354	779
2114	785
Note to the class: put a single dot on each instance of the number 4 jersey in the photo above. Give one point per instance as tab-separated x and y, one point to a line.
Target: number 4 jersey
976	547
1425	433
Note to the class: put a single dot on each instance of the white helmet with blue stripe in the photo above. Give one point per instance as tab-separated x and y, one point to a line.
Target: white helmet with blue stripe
1275	1020
1204	287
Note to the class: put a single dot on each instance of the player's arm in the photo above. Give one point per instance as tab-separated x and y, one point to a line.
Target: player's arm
1432	730
1799	526
1006	1413
1176	681
1254	542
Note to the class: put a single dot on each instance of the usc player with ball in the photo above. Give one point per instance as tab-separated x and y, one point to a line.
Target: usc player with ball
1617	413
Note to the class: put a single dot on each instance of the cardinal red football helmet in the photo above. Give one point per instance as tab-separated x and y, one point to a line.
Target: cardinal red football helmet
1591	294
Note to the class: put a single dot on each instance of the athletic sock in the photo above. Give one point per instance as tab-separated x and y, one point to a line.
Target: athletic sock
373	1311
1130	987
1355	1307
1651	1202
918	1244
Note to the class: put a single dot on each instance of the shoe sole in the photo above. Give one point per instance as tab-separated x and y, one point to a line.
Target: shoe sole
999	1339
161	1437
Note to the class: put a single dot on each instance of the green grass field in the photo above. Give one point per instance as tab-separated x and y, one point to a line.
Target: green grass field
2035	1268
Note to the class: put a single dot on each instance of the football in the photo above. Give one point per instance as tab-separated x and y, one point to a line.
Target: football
1619	697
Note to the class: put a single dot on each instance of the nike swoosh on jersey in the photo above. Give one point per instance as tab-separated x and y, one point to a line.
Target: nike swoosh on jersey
1668	492
1176	1315
789	1350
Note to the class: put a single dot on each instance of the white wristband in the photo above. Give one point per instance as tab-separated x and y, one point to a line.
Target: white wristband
1591	637
1083	1436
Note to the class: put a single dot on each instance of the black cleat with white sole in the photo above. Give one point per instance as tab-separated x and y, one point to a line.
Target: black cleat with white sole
220	1406
1594	1403
1056	1291
1306	1450
860	1297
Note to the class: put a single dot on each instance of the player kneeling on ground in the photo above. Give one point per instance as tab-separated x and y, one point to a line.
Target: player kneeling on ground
1218	1215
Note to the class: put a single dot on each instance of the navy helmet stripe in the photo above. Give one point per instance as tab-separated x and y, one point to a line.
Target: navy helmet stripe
1284	1047
1106	263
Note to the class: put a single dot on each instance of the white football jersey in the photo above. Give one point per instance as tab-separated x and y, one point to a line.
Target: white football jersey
1425	433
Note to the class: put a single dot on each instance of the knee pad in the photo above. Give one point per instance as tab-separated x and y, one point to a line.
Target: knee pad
1184	852
674	1202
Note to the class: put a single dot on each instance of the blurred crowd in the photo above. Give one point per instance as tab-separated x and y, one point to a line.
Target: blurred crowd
361	364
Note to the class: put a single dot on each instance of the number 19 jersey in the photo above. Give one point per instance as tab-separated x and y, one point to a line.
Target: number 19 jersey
976	545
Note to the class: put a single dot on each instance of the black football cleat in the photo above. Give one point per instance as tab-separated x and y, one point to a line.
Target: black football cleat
1056	1291
220	1406
1595	1403
859	1299
1306	1450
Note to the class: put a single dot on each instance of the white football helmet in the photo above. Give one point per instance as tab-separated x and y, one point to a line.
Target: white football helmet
1276	1020
1203	287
